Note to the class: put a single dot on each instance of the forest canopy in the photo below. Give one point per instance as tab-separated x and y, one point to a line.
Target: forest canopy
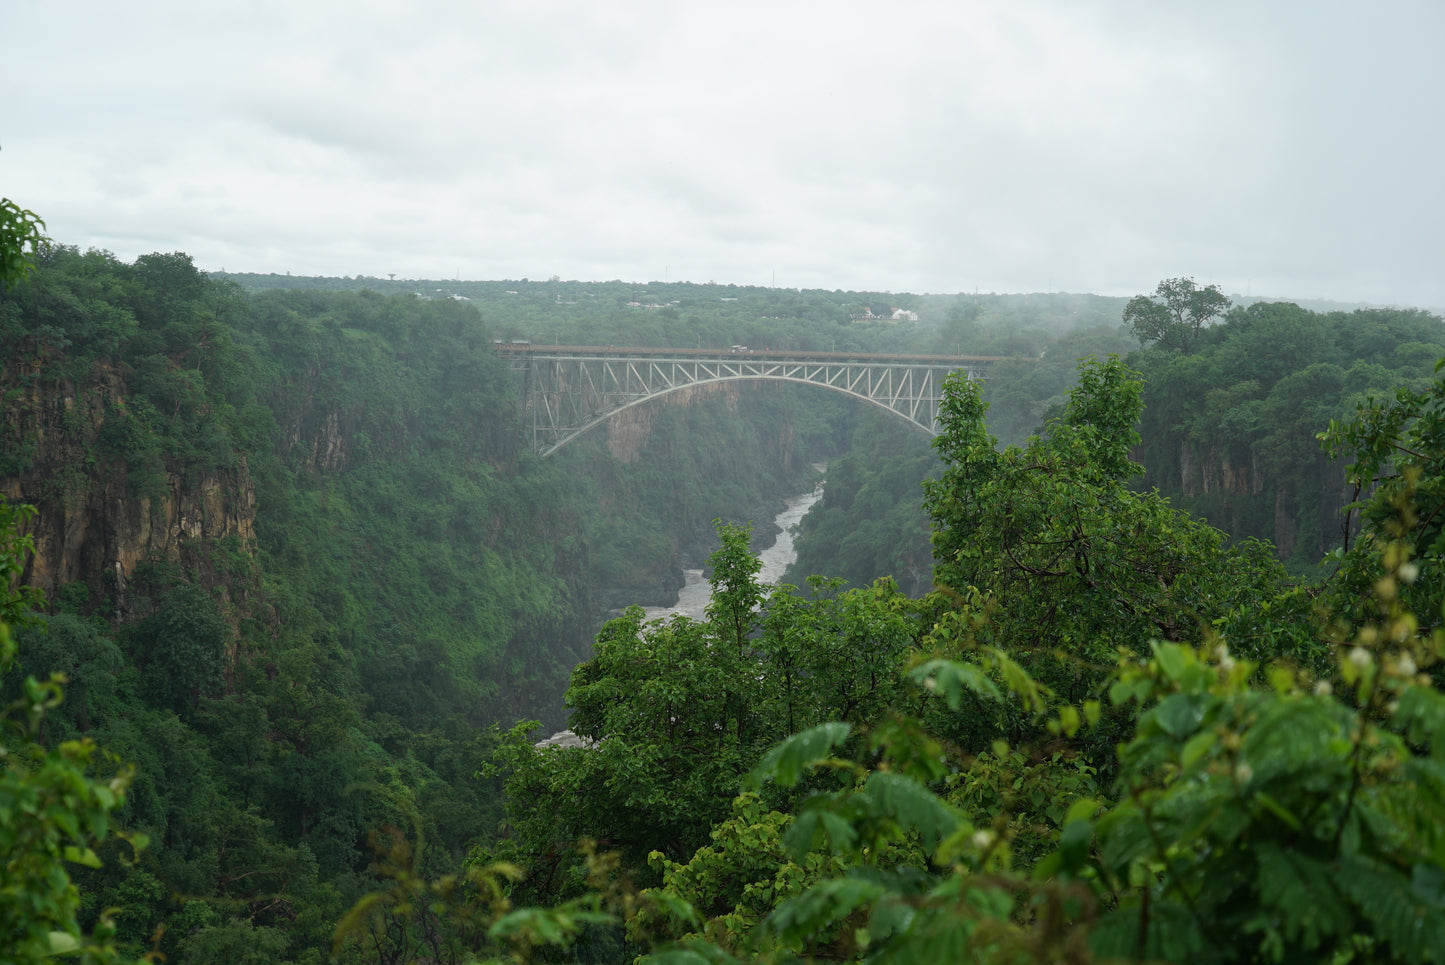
325	593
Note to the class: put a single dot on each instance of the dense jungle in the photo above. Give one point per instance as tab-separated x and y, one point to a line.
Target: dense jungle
1138	660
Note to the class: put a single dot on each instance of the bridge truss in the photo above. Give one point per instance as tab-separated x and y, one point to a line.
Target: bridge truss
568	390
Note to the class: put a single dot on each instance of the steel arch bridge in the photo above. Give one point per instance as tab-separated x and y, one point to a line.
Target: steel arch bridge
567	390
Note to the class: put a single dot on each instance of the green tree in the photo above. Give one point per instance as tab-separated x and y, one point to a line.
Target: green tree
1298	820
21	234
181	647
1175	314
675	713
1072	563
54	810
672	710
1398	479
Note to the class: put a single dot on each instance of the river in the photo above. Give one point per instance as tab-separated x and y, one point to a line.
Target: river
693	598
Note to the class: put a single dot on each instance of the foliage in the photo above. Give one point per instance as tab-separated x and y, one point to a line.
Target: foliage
1398	476
1175	314
459	918
1071	564
16	602
54	811
1287	823
21	233
1229	429
1294	820
674	713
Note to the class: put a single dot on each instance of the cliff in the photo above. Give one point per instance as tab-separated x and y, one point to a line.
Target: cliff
98	518
1239	492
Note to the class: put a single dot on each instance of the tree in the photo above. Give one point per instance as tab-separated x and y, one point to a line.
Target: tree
1175	314
181	647
1071	563
736	592
673	712
1398	477
677	711
1298	820
21	233
54	810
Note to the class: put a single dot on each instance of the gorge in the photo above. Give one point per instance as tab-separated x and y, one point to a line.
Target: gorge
301	572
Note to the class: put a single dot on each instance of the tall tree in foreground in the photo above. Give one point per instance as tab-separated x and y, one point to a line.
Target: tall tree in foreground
1074	564
1260	813
21	233
54	811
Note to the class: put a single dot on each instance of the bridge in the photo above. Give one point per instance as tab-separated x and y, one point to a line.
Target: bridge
569	389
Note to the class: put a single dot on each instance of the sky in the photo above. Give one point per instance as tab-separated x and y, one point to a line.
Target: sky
1272	147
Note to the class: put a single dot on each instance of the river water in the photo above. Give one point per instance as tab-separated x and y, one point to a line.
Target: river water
693	598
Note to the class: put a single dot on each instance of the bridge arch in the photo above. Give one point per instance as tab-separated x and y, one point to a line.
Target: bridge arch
572	434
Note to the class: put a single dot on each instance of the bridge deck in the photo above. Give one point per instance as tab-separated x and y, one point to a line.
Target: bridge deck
517	349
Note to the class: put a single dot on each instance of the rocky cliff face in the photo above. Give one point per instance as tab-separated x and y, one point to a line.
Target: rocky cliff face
1218	471
1233	491
629	430
93	522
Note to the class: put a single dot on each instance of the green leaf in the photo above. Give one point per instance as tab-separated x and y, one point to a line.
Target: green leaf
913	806
62	943
1179	715
787	762
1197	746
817	829
803	917
1173	659
953	679
83	856
1421	714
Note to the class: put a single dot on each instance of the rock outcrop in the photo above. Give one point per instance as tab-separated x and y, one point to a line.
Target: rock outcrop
96	520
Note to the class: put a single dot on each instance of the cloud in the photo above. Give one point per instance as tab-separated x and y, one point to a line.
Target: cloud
1096	146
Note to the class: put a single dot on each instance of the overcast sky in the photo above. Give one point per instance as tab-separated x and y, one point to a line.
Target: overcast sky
1275	148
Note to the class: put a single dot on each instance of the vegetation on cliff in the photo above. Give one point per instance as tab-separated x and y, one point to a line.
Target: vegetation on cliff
1227	431
297	565
1107	779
